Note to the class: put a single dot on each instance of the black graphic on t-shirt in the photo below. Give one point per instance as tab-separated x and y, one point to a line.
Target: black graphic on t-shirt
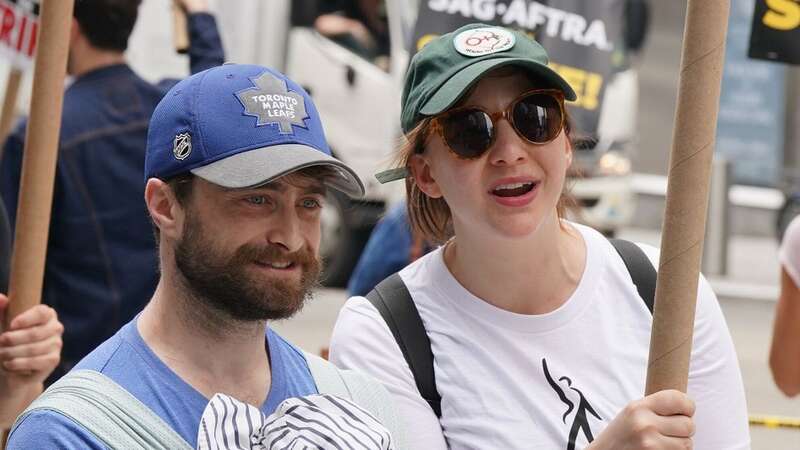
580	423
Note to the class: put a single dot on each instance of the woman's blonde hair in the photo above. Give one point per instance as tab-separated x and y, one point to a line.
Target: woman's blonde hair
431	218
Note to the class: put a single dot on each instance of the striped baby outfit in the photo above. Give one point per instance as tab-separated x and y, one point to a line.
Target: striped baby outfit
310	422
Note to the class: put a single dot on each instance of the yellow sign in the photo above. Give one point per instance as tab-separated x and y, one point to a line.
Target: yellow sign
423	41
587	85
782	14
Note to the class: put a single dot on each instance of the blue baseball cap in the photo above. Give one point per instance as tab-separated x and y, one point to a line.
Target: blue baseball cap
240	126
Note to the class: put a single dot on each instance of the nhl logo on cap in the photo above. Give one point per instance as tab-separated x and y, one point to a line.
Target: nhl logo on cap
483	41
182	146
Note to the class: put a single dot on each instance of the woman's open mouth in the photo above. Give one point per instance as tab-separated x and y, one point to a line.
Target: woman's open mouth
515	192
513	189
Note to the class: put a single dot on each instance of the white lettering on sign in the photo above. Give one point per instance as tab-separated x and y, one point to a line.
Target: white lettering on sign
531	15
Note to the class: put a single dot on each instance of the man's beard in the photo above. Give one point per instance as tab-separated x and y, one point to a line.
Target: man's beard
223	282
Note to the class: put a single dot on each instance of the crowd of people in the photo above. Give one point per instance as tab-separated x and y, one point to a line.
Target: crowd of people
186	219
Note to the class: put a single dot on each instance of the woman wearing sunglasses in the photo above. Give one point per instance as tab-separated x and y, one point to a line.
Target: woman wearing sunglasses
539	337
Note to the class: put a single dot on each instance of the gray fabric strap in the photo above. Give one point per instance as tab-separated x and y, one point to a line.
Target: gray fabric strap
327	377
362	390
114	416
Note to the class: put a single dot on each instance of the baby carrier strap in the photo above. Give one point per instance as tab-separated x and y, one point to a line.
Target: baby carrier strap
109	412
362	390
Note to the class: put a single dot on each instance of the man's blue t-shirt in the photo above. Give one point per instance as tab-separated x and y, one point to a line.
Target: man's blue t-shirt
126	359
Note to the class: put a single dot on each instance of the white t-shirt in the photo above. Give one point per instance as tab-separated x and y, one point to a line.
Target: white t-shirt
789	252
515	381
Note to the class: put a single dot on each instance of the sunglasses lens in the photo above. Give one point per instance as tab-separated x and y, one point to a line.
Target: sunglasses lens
468	132
537	117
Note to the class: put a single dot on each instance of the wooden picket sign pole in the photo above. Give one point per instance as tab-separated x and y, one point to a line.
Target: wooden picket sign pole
9	103
687	194
180	33
39	158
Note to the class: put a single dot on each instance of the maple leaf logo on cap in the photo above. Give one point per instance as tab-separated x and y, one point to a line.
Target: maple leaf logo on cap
272	102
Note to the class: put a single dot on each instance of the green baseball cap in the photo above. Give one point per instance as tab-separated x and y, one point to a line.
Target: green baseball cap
448	66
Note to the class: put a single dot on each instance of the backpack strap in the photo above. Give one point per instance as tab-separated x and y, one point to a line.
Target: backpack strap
362	390
393	301
640	269
109	412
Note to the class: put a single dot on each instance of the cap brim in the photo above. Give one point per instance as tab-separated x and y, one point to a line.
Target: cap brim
260	166
453	89
387	176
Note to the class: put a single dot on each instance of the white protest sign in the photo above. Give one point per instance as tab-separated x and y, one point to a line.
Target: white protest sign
19	23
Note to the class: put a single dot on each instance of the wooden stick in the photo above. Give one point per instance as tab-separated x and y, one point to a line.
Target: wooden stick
180	33
9	103
39	158
687	194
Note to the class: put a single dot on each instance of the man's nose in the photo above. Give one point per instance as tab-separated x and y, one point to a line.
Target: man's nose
284	229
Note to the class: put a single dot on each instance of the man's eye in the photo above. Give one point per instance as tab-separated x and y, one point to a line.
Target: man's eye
311	203
257	200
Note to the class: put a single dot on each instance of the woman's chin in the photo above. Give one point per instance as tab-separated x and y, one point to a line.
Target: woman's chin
517	227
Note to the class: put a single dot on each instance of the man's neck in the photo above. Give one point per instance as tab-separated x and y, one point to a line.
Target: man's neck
210	352
89	59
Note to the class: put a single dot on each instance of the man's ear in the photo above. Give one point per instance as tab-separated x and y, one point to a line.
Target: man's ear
164	209
421	171
74	31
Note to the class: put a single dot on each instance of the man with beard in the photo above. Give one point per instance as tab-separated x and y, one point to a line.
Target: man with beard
237	166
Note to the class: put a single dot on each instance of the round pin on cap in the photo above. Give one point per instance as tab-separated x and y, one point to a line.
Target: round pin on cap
483	41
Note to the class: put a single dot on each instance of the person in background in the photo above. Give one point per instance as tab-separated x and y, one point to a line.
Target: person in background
784	355
102	265
636	24
391	247
360	25
538	335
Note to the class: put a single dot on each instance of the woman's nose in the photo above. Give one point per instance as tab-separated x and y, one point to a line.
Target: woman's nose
508	148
